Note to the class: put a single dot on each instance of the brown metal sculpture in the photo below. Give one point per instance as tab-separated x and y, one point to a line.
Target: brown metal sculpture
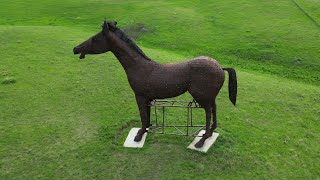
202	77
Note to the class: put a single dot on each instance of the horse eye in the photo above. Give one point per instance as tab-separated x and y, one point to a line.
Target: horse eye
94	39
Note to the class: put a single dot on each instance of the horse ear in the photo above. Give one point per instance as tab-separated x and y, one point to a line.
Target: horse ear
105	27
113	23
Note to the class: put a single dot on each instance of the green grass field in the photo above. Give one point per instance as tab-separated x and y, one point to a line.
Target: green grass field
60	117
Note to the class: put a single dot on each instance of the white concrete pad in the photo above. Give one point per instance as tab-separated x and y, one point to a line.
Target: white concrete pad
207	144
130	139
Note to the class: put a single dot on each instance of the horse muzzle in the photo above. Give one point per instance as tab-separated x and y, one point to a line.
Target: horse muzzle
77	51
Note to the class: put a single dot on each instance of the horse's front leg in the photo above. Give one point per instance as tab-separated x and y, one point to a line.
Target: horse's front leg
143	103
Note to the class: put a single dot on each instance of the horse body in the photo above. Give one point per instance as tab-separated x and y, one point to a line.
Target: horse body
202	77
174	79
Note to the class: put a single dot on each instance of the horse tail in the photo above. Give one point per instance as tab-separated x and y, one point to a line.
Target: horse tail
232	84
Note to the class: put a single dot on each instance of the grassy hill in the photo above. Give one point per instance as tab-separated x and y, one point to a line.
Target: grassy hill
267	36
59	117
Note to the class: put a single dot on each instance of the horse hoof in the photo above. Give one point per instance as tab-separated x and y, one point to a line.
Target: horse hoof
199	144
138	138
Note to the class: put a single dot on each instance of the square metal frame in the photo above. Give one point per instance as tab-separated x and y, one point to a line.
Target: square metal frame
163	104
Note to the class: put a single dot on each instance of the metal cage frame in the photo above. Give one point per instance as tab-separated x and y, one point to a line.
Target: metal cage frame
163	104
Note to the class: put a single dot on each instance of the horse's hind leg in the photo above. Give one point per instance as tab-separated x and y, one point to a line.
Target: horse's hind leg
214	117
208	110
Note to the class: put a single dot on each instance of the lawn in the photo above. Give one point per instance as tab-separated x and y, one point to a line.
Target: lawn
62	118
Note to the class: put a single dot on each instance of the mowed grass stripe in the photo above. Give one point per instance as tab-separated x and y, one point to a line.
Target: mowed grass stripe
311	7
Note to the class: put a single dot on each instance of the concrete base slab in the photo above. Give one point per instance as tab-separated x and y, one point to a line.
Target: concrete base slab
207	144
130	139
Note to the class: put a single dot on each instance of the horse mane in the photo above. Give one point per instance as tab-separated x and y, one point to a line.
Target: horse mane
120	34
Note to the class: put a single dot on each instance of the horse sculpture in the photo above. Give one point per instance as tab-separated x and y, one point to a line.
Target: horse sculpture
202	77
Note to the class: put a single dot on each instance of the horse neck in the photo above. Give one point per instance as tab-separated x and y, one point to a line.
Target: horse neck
128	57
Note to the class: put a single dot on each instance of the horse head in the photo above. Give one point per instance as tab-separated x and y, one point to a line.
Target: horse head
97	44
